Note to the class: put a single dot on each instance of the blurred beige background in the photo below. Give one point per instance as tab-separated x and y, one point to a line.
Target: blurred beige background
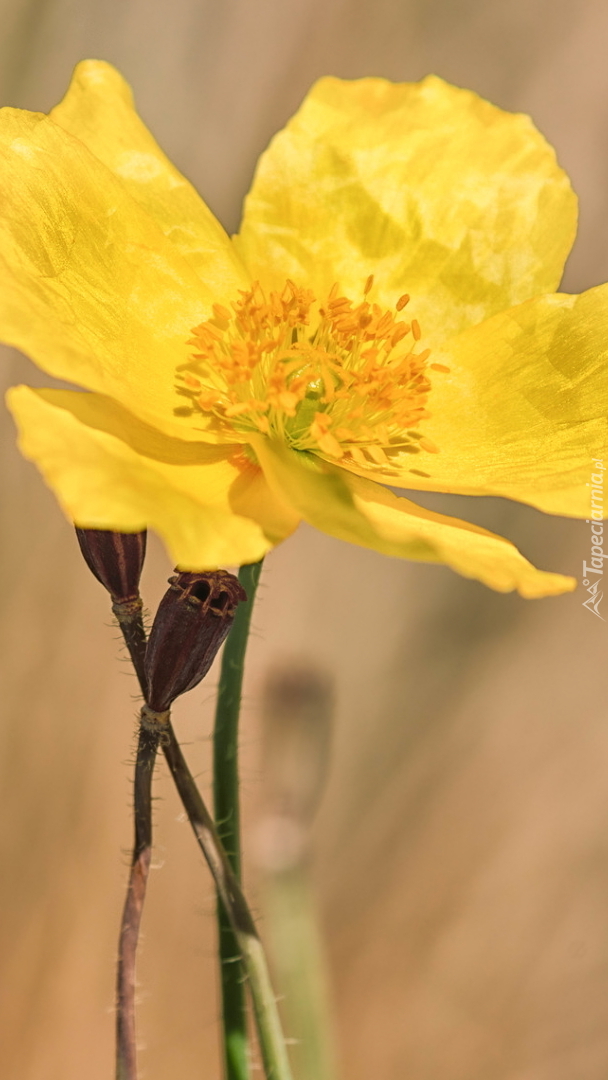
461	850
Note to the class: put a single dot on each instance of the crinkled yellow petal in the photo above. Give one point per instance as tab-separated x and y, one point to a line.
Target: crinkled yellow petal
90	288
98	109
361	512
428	187
524	409
211	505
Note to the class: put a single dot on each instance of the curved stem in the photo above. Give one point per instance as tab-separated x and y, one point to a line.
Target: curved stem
126	1047
226	806
247	942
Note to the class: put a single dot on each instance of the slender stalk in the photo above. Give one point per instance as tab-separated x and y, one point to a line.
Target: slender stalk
126	1047
226	806
131	622
247	942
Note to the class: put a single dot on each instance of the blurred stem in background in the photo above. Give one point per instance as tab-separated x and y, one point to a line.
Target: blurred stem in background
297	710
227	818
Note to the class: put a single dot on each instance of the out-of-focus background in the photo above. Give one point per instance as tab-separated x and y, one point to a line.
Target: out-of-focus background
460	853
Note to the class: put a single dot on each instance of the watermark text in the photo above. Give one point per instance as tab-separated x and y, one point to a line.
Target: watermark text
593	571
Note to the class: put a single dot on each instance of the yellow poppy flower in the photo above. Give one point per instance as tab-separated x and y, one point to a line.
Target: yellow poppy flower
386	317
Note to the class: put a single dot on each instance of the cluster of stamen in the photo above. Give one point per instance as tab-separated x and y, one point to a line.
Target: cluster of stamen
342	379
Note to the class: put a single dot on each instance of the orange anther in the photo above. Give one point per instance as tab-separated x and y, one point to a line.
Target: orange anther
416	330
368	285
208	399
428	445
358	456
384	323
399	332
402	301
377	454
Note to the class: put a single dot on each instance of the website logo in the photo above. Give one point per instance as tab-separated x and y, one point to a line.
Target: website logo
593	571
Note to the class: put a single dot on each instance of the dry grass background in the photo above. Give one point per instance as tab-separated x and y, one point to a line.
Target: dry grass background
461	850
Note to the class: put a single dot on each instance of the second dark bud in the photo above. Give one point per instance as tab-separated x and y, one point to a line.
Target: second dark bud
193	619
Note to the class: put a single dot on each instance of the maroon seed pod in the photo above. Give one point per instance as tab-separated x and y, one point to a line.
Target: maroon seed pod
116	559
193	619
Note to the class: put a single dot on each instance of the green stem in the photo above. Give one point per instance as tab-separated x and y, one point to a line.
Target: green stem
226	806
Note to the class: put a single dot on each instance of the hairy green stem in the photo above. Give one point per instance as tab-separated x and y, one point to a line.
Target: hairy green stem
226	806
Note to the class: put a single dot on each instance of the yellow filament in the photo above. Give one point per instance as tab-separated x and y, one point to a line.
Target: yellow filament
338	378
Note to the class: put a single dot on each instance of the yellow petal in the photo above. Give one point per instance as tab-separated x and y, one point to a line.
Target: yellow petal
98	109
210	505
361	512
429	188
90	288
524	410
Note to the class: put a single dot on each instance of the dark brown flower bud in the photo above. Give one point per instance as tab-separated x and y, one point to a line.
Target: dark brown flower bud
193	619
116	559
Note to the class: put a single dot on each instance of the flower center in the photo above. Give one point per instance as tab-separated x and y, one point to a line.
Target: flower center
340	379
